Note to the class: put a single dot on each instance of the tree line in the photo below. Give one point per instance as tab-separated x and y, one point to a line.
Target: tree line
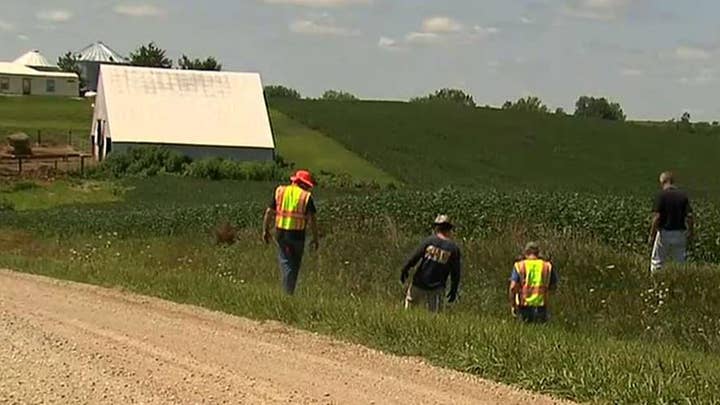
151	55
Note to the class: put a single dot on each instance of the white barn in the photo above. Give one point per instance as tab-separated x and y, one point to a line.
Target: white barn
199	114
32	75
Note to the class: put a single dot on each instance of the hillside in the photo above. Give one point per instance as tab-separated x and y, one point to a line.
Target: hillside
442	145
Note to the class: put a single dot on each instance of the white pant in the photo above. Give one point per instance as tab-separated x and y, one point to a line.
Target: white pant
668	245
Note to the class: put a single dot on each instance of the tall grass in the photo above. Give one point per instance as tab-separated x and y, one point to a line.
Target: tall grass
616	334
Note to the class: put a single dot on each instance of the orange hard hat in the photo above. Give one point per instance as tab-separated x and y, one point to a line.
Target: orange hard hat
304	177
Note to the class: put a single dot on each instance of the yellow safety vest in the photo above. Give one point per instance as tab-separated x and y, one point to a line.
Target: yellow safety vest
291	207
535	282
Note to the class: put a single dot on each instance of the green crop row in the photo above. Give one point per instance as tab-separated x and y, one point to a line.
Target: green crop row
619	221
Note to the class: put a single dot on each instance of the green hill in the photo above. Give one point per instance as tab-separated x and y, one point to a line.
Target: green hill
439	145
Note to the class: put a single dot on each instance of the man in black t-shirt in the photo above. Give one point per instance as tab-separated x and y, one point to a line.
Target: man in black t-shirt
672	224
437	258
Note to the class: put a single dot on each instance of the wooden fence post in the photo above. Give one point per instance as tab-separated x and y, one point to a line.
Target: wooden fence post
39	137
69	142
19	165
82	164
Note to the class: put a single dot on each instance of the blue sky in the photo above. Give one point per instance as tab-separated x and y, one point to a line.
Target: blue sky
657	58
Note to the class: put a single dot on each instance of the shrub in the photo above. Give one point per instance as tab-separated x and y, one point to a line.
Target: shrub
6	205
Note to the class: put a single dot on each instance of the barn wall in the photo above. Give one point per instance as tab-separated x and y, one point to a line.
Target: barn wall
199	152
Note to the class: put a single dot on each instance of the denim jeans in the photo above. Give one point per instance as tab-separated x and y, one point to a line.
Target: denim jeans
533	314
668	245
290	253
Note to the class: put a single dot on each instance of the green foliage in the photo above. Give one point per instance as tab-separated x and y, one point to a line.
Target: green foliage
592	107
222	169
210	64
338	95
434	145
151	161
447	96
69	63
278	91
150	55
527	104
6	205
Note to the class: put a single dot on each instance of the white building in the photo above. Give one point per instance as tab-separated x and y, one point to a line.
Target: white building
32	74
199	114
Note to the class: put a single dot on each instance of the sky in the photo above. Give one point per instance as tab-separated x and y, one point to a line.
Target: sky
657	58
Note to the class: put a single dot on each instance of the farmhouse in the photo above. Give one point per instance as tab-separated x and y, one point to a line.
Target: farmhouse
32	74
91	57
199	114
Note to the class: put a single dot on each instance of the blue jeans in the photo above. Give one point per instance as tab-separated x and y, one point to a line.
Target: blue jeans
290	253
533	314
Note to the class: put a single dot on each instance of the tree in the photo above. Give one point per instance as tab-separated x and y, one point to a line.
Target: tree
685	118
69	63
279	91
150	55
210	63
449	96
338	95
528	104
591	107
560	111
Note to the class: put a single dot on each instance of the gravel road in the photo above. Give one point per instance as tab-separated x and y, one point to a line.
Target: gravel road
68	343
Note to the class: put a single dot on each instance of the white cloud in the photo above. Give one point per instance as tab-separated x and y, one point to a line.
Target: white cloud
702	77
690	53
388	44
319	3
6	26
23	37
309	27
56	16
422	38
527	20
139	10
631	72
601	10
485	31
441	25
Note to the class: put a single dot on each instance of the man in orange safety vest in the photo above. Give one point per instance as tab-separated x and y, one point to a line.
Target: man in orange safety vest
531	281
293	209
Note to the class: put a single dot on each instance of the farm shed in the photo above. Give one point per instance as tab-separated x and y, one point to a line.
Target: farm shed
31	74
91	57
199	114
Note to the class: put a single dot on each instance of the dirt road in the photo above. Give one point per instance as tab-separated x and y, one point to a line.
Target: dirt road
70	343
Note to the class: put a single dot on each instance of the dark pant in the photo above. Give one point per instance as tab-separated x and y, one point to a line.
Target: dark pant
533	314
290	254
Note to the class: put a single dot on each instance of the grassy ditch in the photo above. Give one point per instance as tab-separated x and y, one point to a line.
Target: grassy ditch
616	336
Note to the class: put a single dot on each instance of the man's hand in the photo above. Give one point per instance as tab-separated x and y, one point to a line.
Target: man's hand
514	311
266	237
315	244
452	297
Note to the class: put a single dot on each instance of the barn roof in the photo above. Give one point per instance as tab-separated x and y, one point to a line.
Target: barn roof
184	107
99	52
15	69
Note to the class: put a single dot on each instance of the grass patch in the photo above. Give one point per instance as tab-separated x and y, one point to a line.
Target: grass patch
38	196
610	345
53	117
311	149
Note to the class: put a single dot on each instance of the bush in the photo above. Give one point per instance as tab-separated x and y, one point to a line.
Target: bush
143	162
223	169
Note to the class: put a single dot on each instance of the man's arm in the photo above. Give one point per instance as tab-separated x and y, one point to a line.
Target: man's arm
412	261
514	289
654	227
267	223
455	273
312	223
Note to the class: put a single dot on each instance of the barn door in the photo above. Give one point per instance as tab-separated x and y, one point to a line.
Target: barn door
100	140
27	87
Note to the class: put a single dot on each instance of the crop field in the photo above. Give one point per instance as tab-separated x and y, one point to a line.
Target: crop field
617	335
430	145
